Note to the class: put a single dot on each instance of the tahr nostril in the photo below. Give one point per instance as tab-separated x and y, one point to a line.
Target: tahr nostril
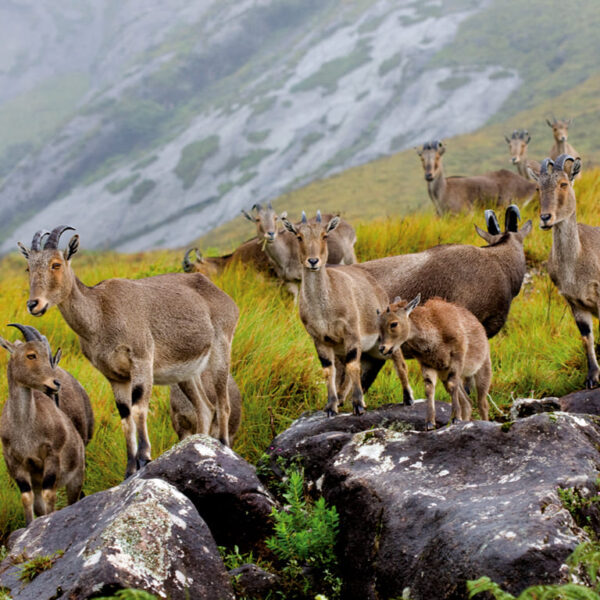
313	261
56	383
32	303
545	217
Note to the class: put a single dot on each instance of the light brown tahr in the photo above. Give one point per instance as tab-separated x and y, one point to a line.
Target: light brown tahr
517	146
449	343
457	194
574	261
282	250
560	131
42	449
248	253
161	330
184	415
338	306
483	280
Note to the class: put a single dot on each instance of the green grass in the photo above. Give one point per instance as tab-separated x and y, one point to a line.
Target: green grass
273	360
141	190
118	185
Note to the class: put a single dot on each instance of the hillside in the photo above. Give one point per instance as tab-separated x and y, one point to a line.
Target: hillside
394	185
171	120
273	360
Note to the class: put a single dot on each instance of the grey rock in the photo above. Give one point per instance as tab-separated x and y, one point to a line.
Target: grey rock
429	511
583	401
142	534
525	407
253	582
316	438
222	486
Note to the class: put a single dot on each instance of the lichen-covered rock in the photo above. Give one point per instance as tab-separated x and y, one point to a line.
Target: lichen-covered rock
142	534
316	438
222	486
429	511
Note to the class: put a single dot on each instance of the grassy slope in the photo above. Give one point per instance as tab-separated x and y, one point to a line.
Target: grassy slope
274	361
395	183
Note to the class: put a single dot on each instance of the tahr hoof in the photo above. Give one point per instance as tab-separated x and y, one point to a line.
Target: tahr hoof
359	410
430	426
408	399
455	420
591	383
142	462
330	412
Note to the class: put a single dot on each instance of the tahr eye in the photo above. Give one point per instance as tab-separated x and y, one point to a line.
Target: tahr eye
564	185
31	356
394	324
56	266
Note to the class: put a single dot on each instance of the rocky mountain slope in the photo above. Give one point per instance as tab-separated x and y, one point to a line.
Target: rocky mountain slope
184	116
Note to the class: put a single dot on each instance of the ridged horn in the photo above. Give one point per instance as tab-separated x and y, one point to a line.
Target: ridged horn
304	219
491	222
30	334
544	165
54	237
187	263
559	163
318	216
512	217
38	237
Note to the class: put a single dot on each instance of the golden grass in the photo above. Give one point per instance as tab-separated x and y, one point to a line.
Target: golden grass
274	362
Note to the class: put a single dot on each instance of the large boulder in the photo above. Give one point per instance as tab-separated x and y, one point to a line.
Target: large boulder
428	511
582	402
315	438
142	534
222	486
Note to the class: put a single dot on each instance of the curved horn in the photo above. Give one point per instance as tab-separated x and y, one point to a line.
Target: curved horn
511	218
561	160
491	221
318	216
304	219
54	237
38	237
257	206
544	165
30	334
269	205
187	263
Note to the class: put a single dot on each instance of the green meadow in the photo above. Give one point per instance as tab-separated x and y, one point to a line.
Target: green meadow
538	352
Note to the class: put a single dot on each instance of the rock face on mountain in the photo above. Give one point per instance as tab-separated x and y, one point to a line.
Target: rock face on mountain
195	112
428	511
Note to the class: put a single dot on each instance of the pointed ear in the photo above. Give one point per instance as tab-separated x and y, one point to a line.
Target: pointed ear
575	169
397	299
412	304
23	250
550	124
289	226
57	357
72	247
248	216
535	176
441	149
526	229
507	139
419	151
484	234
7	345
332	224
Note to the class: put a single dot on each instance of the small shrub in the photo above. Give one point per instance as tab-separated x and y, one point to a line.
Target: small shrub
130	594
5	594
192	159
141	190
33	567
256	137
118	185
304	541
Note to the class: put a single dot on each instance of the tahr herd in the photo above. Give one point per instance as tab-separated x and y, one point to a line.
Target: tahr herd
176	329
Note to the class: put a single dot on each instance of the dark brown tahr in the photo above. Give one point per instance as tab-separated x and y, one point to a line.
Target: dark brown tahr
42	447
134	334
457	194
